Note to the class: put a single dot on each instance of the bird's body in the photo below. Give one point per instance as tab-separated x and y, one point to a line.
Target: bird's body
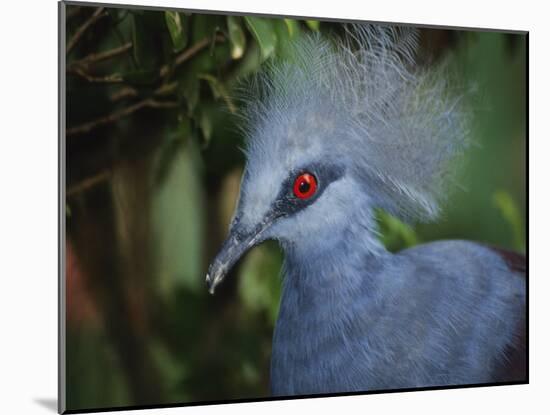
444	313
334	134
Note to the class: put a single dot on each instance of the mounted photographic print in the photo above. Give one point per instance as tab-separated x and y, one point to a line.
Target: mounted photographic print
257	207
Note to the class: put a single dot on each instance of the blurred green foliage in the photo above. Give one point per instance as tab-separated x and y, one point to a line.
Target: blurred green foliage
153	173
512	215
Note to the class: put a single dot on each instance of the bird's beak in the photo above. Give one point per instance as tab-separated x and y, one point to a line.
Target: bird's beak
237	243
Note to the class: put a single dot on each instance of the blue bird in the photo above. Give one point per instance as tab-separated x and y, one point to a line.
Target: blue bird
336	131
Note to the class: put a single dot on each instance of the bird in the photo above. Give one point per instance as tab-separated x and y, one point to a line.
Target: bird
335	131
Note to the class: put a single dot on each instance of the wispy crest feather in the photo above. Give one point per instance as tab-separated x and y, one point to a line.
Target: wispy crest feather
398	127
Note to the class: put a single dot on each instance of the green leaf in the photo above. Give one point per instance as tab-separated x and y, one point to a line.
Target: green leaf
313	24
236	37
293	27
285	38
219	91
189	89
206	125
176	30
211	59
249	64
395	234
259	283
136	37
205	26
144	47
264	33
511	214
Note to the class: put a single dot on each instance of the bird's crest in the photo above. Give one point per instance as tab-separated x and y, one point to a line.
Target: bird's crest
396	127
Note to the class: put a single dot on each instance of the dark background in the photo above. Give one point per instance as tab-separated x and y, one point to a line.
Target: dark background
153	172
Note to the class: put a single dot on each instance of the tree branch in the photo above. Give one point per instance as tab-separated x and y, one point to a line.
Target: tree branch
117	115
166	89
162	104
96	16
189	53
148	102
88	183
107	79
77	68
125	92
101	56
129	92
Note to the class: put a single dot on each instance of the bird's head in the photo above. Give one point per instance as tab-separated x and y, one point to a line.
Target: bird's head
334	132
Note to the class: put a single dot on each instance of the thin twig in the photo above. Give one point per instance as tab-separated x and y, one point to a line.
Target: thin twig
88	126
129	92
89	182
148	102
162	104
97	15
166	89
189	53
125	92
76	67
107	79
101	56
117	115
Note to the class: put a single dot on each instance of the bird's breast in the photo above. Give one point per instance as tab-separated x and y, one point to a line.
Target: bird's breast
316	348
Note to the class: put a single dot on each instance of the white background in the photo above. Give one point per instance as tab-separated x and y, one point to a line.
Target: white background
28	203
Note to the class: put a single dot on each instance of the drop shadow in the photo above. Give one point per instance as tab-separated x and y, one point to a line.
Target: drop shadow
48	403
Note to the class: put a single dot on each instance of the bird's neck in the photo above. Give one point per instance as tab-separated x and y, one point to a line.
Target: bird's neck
327	289
336	265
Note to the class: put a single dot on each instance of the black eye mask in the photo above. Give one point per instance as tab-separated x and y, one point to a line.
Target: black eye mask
287	203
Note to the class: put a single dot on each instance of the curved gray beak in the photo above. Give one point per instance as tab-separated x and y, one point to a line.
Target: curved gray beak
235	246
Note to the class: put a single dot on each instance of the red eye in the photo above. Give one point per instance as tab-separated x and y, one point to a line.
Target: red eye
305	186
